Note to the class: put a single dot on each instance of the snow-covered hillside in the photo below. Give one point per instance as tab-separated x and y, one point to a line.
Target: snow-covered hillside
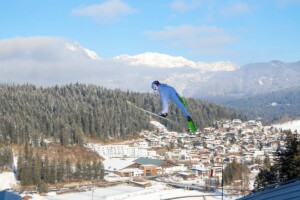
292	125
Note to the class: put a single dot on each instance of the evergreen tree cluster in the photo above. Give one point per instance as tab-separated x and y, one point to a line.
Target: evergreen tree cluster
6	158
235	171
71	113
36	169
286	166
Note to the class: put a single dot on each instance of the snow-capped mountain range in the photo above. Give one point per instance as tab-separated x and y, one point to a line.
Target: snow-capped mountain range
199	79
159	60
50	61
154	59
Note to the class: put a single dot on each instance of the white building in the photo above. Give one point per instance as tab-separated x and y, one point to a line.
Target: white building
236	122
142	145
119	151
132	172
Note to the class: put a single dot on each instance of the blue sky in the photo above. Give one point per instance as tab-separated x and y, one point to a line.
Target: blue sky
241	31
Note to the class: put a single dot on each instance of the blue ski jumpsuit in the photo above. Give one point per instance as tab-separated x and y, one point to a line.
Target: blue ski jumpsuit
167	92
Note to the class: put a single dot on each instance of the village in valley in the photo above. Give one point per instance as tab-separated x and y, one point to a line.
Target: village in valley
216	162
193	161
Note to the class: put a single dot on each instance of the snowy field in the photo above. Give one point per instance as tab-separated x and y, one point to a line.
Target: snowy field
101	194
123	192
158	191
293	125
7	180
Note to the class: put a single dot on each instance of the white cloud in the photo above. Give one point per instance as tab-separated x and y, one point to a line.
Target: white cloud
37	48
195	38
236	9
184	5
48	61
109	11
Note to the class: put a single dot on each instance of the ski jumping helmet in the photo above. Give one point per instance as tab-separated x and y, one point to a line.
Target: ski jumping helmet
155	85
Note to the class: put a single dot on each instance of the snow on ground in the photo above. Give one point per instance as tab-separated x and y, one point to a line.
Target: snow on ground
252	178
97	194
158	191
163	194
161	127
7	180
293	125
124	192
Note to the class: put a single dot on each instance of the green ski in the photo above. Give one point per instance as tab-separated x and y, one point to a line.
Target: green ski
191	124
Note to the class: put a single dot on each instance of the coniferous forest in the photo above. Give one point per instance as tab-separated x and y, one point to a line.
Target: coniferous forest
71	113
34	168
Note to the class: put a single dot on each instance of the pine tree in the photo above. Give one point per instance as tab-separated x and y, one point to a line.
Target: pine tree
46	173
287	162
90	171
26	174
42	187
69	171
84	174
53	172
286	165
78	171
235	171
6	157
61	171
267	164
265	177
101	166
36	169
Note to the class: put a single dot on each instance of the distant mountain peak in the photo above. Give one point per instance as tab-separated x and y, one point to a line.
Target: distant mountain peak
277	62
82	52
154	59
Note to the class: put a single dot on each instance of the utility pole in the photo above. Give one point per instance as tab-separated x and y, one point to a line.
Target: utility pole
222	182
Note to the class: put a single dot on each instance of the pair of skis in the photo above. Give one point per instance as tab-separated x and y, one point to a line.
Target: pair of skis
191	124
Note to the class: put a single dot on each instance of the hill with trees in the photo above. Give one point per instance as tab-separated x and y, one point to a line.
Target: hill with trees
47	128
69	114
270	107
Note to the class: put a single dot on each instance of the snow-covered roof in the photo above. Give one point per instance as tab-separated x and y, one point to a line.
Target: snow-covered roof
131	170
114	164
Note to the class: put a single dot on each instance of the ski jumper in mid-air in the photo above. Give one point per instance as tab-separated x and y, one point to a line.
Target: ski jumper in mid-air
167	93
